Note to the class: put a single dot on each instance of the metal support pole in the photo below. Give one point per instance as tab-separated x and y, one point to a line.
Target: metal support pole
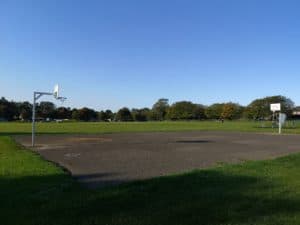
36	96
279	123
279	131
33	121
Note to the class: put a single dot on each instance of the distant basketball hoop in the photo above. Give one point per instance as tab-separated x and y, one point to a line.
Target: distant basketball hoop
36	96
276	107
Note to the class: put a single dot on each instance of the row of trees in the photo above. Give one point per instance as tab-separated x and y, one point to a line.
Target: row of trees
259	109
161	110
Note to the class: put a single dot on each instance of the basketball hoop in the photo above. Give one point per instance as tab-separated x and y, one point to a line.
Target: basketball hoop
56	94
62	99
276	107
56	91
36	96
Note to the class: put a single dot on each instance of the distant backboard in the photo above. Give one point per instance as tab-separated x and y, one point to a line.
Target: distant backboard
56	91
275	107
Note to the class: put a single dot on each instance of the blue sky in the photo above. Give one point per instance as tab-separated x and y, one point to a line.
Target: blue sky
110	54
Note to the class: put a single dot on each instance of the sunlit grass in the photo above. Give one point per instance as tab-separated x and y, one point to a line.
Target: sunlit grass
102	127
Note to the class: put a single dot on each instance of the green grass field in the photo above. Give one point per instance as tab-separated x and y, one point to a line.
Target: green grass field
98	127
36	192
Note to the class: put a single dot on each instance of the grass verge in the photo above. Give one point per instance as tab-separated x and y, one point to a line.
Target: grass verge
7	128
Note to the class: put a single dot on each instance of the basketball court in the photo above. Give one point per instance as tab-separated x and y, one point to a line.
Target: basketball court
110	159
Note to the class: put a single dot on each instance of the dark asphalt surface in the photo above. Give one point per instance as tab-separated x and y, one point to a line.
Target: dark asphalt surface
110	159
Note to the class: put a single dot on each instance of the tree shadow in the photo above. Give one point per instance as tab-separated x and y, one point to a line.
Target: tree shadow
99	180
200	197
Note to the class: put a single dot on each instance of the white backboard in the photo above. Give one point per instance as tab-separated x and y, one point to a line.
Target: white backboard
56	91
275	107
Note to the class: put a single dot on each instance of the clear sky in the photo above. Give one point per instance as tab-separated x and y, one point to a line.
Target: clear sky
110	54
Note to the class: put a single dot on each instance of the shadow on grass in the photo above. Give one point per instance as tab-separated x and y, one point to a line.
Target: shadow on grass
99	180
200	197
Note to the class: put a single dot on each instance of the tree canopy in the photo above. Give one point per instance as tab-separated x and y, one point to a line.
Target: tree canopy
124	114
260	108
84	114
214	111
231	111
161	110
185	110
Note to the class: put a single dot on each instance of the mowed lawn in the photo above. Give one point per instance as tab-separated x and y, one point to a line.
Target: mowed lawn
36	192
105	127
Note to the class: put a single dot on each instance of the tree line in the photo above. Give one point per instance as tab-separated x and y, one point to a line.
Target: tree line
259	109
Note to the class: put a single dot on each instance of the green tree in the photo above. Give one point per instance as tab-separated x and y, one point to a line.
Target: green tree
105	115
102	116
8	110
75	114
183	110
199	112
124	114
63	113
84	114
159	109
232	111
110	115
140	114
45	110
260	108
214	111
24	110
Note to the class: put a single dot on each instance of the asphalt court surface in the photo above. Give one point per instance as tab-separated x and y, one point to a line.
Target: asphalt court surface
99	160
